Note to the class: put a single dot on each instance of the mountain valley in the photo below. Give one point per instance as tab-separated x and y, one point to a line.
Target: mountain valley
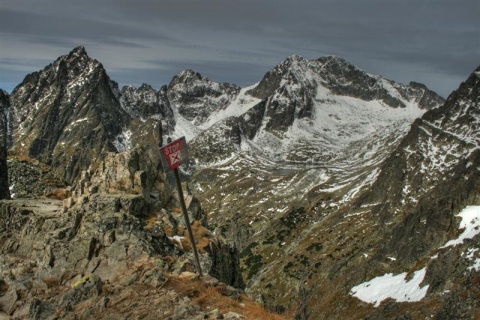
305	189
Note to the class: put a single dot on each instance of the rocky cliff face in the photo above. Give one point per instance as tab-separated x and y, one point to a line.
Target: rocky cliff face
4	106
196	97
145	102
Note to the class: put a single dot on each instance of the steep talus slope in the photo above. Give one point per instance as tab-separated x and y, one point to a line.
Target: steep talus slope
433	173
400	223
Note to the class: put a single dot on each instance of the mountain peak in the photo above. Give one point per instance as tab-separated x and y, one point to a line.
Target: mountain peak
295	57
335	63
477	71
290	63
74	63
146	86
78	52
189	73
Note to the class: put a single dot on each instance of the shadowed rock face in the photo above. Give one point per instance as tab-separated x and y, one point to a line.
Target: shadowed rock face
146	102
441	146
4	186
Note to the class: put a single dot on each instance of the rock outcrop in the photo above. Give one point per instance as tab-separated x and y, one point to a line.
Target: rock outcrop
110	234
145	102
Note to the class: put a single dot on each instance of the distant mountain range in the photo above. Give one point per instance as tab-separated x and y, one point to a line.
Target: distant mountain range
322	175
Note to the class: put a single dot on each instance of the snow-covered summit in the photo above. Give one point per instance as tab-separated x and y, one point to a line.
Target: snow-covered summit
313	109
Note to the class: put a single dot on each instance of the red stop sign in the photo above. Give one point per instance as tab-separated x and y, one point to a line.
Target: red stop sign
174	154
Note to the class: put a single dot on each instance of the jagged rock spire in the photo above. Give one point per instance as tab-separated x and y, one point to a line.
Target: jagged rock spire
68	106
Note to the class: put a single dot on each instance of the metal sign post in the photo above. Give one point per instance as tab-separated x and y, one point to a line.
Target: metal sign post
174	154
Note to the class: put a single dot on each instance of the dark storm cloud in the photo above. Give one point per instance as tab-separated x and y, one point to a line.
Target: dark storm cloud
57	29
432	41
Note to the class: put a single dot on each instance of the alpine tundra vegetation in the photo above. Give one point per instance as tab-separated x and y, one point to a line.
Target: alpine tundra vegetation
319	192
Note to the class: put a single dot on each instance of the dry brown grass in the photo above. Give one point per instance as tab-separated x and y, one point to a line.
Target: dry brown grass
202	236
150	221
210	298
51	282
58	194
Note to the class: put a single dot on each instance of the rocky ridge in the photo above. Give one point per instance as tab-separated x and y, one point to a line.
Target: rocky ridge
84	255
145	102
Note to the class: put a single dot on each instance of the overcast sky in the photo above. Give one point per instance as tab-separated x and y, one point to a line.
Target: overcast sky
436	42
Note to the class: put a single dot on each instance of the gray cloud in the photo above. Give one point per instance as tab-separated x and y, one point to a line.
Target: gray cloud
436	42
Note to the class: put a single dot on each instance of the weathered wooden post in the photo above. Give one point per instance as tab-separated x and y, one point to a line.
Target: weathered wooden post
174	154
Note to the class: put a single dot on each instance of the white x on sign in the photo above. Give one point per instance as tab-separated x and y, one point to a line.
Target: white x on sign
174	157
174	154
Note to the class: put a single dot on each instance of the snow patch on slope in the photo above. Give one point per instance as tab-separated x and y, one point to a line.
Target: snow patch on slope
470	223
396	287
236	108
184	128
